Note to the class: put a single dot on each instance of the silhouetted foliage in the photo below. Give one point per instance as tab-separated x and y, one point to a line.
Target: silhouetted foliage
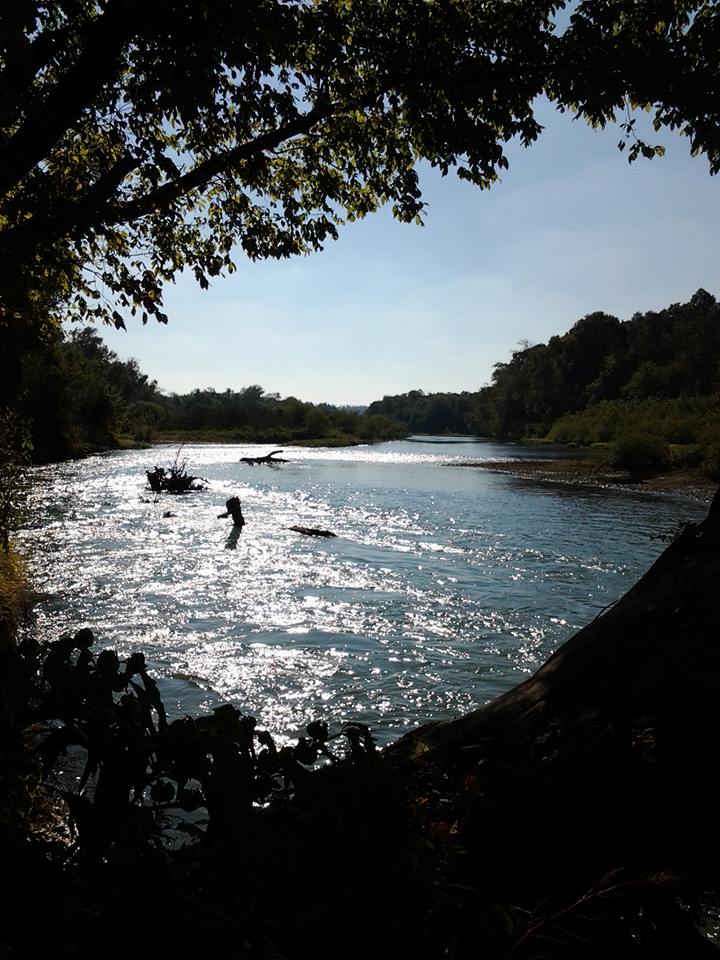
139	768
209	816
15	449
140	141
71	390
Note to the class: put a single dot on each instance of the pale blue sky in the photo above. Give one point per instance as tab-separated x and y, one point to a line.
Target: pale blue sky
572	228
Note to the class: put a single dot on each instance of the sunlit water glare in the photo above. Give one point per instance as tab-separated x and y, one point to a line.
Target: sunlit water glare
443	588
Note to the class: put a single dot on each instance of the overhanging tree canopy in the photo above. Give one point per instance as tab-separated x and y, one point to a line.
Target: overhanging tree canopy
141	139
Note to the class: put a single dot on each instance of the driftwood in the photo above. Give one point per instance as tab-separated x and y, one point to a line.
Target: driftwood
313	532
269	458
174	479
606	758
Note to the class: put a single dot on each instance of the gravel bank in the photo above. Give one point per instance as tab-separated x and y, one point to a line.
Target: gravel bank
591	473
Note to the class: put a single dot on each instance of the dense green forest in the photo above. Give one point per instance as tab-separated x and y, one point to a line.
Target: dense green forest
71	392
604	381
253	415
423	412
74	394
670	355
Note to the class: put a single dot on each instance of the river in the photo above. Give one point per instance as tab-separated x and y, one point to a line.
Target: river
444	587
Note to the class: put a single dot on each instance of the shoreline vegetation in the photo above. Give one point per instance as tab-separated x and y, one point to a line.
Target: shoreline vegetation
75	396
232	437
646	389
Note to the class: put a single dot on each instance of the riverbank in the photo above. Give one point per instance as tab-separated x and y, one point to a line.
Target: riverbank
277	438
599	475
14	589
182	437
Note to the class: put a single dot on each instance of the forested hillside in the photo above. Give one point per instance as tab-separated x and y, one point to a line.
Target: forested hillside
72	394
658	373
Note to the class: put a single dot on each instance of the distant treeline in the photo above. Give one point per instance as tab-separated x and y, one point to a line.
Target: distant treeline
604	381
74	395
421	412
252	415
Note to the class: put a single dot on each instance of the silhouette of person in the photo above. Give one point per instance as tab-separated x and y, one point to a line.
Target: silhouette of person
233	509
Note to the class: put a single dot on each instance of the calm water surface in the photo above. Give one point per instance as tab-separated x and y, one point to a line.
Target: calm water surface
443	588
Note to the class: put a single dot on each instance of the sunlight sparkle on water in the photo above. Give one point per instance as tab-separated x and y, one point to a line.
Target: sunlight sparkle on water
442	588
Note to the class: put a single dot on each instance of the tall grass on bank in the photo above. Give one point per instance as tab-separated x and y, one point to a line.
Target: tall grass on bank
13	585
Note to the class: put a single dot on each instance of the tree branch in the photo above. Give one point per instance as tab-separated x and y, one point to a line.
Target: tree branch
199	176
65	218
94	211
98	62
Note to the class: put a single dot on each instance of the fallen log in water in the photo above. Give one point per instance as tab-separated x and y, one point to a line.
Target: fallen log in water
313	531
269	458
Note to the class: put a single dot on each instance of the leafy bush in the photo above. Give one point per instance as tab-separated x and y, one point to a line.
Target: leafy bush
143	769
689	423
640	454
275	851
711	462
690	456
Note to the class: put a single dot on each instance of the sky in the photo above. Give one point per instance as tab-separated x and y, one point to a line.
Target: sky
572	228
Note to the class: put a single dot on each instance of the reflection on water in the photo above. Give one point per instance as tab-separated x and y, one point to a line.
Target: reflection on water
442	588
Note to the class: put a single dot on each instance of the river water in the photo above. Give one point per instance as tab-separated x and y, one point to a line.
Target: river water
444	587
